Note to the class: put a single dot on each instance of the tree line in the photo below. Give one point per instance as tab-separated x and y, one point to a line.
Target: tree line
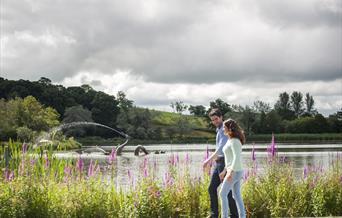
28	107
290	114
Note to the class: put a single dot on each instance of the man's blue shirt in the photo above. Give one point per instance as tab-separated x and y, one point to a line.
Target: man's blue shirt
221	140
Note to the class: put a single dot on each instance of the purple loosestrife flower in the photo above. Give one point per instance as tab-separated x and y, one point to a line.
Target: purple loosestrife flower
144	163
172	160
253	153
129	174
32	161
271	148
187	158
206	156
91	168
340	179
6	174
305	171
11	176
157	194
46	159
145	173
24	148
67	170
79	164
112	156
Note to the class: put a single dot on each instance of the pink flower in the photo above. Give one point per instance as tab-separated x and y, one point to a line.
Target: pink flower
24	148
145	173
79	164
271	148
112	156
91	169
46	161
305	171
187	158
253	153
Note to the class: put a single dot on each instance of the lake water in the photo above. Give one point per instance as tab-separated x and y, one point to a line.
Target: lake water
299	155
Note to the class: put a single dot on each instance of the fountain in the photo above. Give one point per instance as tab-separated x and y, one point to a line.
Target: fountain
119	148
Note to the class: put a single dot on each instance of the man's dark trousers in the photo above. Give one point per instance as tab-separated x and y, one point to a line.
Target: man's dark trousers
214	184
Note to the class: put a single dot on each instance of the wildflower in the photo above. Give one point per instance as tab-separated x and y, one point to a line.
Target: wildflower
305	171
245	174
67	171
253	153
91	169
206	153
187	158
145	173
79	164
24	148
32	161
157	193
112	156
271	148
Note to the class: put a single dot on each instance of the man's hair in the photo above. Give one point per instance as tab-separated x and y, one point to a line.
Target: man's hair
215	112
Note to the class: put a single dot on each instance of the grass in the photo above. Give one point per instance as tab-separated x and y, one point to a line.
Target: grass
35	185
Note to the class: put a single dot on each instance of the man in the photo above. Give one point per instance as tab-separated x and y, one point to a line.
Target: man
216	118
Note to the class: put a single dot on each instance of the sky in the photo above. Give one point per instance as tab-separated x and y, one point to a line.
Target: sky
194	51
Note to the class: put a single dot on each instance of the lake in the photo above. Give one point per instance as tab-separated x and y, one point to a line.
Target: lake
299	155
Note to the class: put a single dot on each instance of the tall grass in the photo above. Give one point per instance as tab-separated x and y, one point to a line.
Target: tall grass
35	184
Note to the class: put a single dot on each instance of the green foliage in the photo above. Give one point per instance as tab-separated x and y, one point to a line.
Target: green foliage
197	110
316	124
45	189
25	117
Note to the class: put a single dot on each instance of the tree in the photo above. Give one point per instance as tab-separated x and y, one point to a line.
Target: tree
245	116
104	109
77	114
309	105
297	103
124	104
178	106
283	107
136	122
261	108
220	104
27	113
273	123
335	121
197	110
44	80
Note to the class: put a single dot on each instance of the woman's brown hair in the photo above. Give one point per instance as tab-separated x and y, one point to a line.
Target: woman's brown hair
235	130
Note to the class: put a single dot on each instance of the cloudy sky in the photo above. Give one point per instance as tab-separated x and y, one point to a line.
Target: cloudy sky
193	51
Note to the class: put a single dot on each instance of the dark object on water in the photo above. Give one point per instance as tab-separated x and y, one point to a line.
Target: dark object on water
138	149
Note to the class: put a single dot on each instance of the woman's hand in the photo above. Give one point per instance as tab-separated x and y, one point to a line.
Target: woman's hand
229	175
222	174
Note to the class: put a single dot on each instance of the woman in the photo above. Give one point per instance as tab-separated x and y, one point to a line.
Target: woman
233	172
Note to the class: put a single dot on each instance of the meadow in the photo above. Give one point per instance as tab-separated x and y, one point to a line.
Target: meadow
34	183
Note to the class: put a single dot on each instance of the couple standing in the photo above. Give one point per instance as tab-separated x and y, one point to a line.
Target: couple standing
228	167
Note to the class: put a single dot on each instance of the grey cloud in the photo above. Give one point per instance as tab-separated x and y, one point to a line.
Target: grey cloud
188	42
